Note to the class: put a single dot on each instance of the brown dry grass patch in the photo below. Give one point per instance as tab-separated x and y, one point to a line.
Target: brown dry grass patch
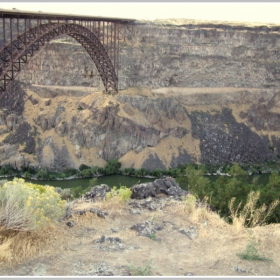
17	247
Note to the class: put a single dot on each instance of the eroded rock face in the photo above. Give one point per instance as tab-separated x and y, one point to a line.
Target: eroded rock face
53	156
109	129
222	139
183	77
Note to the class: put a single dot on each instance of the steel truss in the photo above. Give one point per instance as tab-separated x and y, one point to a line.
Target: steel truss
24	37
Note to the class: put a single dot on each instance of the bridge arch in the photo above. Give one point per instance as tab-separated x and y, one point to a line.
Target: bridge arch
25	45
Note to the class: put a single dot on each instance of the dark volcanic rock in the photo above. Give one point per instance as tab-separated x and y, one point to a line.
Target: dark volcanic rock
223	139
152	204
13	99
147	229
153	162
23	135
70	224
182	158
165	185
98	192
99	213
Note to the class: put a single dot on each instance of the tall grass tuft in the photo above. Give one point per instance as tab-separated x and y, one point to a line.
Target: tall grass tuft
250	216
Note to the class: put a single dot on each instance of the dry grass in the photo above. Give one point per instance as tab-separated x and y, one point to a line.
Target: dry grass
21	246
197	213
250	215
113	206
16	247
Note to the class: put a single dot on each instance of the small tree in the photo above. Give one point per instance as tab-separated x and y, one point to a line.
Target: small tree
112	167
83	167
236	170
86	173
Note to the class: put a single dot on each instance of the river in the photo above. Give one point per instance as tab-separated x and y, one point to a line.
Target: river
110	180
119	180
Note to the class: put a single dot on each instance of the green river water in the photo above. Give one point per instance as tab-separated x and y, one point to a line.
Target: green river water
110	180
119	180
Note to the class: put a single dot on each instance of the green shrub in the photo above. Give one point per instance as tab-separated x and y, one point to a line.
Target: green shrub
70	172
123	193
97	171
112	167
156	173
236	170
86	173
251	253
144	270
7	170
78	191
27	175
28	207
83	167
43	174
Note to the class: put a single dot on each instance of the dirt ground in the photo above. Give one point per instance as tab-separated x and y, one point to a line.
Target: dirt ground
103	240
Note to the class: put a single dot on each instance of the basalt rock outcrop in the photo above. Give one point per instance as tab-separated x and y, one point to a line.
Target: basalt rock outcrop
165	186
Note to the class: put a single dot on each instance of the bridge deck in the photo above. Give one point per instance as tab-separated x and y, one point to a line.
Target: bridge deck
55	16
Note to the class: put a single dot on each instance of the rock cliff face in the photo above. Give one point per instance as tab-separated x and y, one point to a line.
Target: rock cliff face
190	92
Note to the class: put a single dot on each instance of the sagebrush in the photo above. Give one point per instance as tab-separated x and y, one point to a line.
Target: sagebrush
28	207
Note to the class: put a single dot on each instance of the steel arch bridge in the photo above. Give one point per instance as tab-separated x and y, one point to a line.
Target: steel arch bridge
23	34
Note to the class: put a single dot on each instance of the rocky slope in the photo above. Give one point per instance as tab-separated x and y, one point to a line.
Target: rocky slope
158	235
190	92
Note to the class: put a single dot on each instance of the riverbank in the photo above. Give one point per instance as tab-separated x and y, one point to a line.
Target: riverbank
113	167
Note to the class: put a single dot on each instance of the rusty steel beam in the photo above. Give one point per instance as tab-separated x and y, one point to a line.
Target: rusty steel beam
38	35
115	39
118	52
33	30
4	32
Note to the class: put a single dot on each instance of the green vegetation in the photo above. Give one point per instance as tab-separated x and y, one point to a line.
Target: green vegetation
251	253
219	192
144	270
153	236
236	191
123	194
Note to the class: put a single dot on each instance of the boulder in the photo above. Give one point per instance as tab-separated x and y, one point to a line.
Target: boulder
98	192
165	185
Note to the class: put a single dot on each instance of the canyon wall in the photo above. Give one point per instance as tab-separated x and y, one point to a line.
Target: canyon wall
189	92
